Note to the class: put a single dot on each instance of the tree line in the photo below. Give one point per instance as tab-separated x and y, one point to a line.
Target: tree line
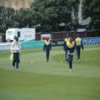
50	15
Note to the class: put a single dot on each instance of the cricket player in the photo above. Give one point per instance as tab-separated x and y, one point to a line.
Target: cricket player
47	48
70	47
79	46
15	49
65	41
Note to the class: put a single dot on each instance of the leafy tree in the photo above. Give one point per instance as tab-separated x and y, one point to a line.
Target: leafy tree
9	18
51	13
24	18
92	9
6	18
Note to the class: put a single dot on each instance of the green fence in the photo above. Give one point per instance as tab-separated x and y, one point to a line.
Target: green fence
32	44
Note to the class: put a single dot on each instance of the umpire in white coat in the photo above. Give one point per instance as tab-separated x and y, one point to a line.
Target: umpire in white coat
15	49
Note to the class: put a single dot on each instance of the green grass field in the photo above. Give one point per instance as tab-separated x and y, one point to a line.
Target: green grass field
38	80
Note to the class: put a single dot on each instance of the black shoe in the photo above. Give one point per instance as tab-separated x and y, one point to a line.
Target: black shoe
17	65
13	65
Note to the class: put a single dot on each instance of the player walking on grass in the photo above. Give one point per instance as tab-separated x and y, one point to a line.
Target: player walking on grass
47	48
15	49
69	47
79	46
65	41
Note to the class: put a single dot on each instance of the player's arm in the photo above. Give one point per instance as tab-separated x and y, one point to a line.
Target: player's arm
50	46
64	46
